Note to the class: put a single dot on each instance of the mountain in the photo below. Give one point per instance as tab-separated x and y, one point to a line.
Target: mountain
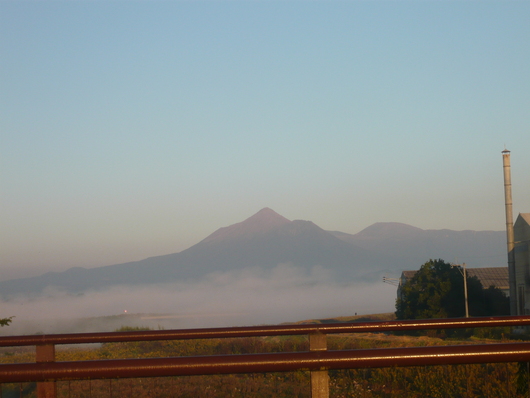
414	246
267	239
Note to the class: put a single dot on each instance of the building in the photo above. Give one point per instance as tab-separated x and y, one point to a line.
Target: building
494	276
405	277
521	231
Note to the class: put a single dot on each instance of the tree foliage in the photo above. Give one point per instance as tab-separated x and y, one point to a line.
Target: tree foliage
437	291
5	321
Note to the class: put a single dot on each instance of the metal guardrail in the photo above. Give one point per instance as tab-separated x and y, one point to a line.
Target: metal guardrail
254	331
318	360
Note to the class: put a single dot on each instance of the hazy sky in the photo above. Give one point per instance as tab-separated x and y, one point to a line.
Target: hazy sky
136	128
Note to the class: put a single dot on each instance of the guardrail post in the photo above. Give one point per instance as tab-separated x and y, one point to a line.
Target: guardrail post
46	389
319	378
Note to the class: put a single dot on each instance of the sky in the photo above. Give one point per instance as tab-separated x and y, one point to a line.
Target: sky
132	129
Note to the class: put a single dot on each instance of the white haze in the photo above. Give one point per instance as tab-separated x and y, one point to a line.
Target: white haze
239	298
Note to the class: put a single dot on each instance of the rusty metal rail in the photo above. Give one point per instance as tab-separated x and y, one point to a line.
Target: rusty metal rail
260	363
318	360
255	331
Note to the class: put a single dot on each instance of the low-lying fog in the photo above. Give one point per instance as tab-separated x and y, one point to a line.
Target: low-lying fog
243	298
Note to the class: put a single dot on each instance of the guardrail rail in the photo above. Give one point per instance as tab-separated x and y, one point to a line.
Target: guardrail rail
318	360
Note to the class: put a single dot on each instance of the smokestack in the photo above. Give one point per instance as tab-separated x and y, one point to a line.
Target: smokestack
509	230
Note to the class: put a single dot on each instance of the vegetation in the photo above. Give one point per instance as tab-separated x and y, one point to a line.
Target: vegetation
437	291
491	380
5	321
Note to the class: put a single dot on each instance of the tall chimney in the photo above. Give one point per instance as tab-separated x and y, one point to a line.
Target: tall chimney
509	231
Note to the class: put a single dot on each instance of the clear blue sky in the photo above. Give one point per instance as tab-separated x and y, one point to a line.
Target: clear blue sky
136	128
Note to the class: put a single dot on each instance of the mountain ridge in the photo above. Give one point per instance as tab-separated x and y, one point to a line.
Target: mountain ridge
267	239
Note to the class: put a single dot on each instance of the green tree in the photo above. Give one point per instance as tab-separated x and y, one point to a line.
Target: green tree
437	291
5	321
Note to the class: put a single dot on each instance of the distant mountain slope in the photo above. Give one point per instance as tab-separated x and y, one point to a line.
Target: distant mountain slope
267	239
281	241
415	245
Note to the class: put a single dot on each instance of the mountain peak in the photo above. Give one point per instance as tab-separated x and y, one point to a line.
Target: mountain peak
267	216
262	222
390	229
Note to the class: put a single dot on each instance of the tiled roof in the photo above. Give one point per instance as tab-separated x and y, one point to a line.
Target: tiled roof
408	274
495	276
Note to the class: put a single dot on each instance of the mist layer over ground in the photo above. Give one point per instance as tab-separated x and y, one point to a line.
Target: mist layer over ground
249	297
